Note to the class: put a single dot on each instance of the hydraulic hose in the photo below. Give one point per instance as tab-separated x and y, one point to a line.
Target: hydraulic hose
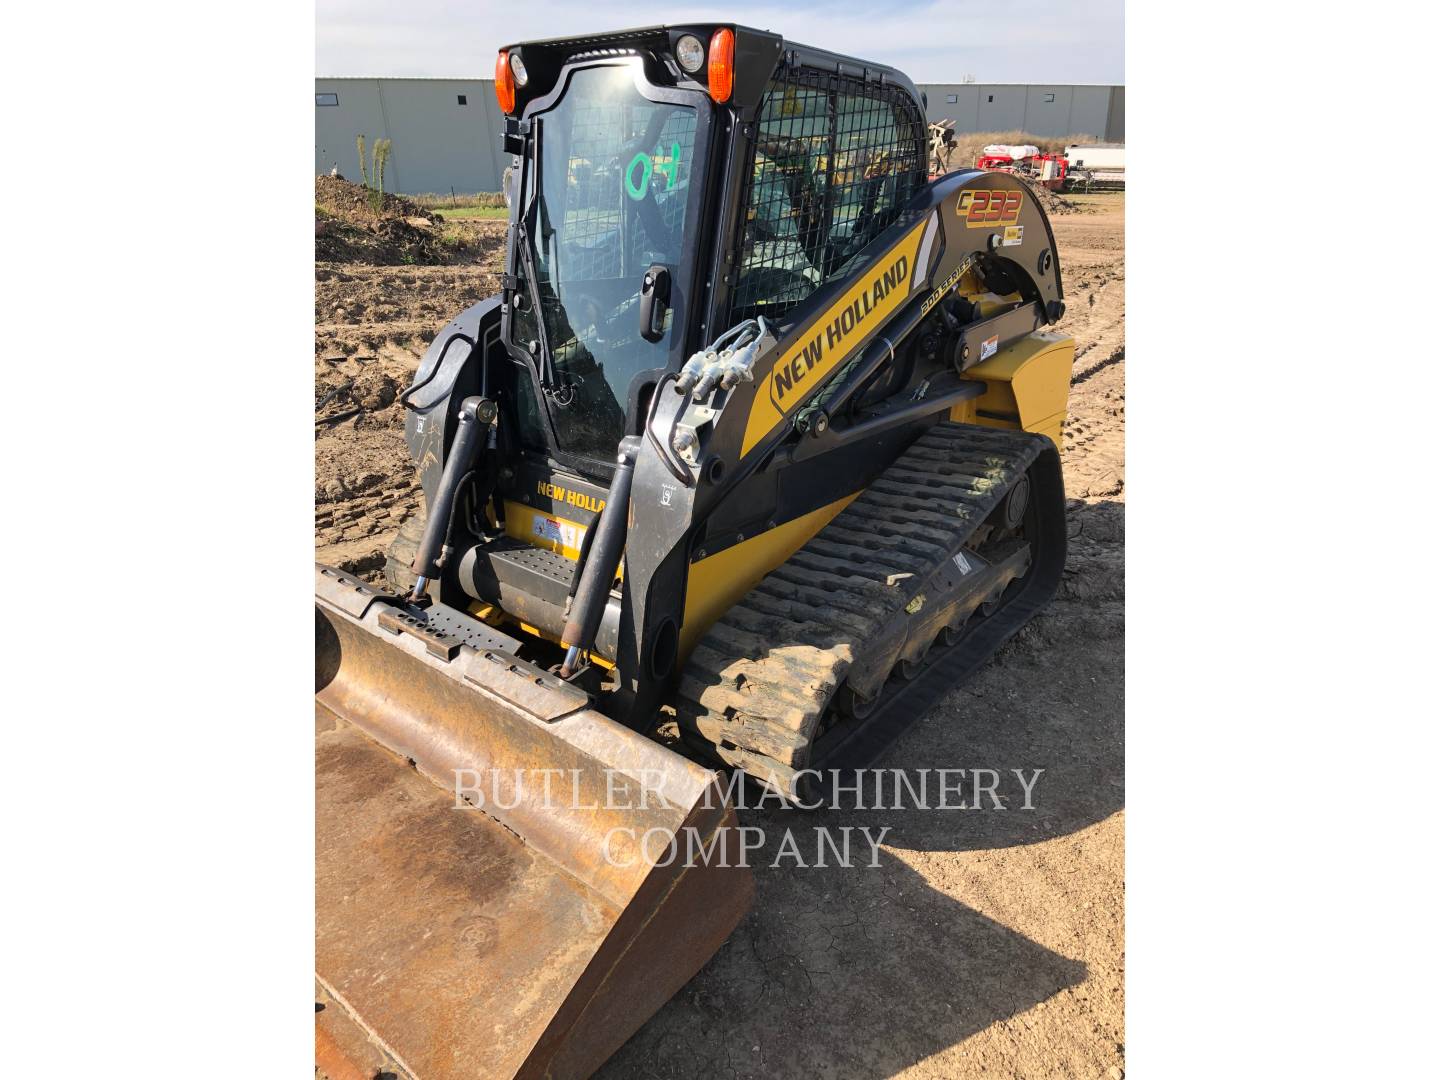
662	446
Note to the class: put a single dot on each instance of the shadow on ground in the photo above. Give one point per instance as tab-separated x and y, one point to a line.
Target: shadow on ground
860	976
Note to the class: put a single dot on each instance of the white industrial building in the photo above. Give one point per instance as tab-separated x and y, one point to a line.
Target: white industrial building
445	133
1048	111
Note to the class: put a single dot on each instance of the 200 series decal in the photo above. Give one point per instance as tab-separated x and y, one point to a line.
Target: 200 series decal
985	208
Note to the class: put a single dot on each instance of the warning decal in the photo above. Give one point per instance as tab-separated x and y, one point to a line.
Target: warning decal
556	531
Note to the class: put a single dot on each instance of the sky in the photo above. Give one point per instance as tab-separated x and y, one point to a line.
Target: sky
1025	41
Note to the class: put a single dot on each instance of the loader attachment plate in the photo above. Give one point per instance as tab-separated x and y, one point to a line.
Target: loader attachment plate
528	935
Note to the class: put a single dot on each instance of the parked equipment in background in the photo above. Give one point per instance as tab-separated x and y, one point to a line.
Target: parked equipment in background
1097	167
754	456
1026	162
942	147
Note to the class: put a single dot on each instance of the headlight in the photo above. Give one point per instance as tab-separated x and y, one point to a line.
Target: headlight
690	53
518	67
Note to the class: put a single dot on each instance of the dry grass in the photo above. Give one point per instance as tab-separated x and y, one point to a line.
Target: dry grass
460	200
472	213
969	144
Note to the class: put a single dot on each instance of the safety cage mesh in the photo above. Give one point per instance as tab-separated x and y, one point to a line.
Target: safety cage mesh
836	160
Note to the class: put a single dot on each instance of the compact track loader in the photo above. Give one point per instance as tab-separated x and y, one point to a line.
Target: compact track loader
753	456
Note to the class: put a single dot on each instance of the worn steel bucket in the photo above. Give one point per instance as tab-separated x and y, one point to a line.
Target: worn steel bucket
529	926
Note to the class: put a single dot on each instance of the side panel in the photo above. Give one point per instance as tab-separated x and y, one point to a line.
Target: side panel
716	583
448	371
1027	387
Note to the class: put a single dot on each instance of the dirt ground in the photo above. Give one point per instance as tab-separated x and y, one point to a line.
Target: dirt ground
372	325
987	943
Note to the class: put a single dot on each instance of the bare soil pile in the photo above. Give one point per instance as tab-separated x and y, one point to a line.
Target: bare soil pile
350	227
1053	203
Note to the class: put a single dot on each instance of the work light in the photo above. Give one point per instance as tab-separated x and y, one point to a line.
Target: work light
690	53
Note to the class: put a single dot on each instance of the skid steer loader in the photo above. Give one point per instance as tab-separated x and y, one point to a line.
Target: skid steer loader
754	454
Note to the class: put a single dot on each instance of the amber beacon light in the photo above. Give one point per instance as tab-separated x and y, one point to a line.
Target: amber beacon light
505	83
722	64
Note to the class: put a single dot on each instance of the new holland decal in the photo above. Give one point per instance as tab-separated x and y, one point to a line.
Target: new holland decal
588	503
985	208
804	363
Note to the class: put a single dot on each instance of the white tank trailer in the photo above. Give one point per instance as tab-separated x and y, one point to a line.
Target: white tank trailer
1098	165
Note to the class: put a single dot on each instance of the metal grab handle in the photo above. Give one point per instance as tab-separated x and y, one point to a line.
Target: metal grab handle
654	302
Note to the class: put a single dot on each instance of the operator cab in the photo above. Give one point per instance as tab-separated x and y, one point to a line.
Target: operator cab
669	183
609	179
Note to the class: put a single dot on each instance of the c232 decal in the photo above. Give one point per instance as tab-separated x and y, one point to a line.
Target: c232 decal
985	208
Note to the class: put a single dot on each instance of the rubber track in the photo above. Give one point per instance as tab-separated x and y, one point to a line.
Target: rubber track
756	687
